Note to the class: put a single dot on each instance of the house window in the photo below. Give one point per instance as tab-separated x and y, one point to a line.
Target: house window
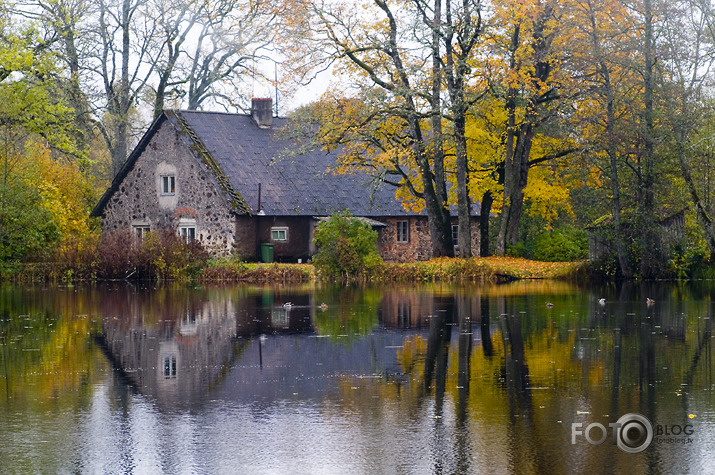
455	234
279	234
187	233
403	232
168	185
170	366
140	232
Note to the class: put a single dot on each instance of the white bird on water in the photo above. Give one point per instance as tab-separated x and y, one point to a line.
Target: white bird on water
287	305
602	301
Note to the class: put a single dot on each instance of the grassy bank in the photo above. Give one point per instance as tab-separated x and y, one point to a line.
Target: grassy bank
487	269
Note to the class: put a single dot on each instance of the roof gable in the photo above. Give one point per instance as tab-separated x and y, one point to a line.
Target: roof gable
192	141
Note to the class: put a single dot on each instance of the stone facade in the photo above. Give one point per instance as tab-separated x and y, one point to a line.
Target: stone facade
418	246
140	201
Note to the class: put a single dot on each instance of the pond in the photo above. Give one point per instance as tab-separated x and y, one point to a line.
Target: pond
526	377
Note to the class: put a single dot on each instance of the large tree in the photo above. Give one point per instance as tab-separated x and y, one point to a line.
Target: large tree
689	37
526	79
35	121
601	59
388	130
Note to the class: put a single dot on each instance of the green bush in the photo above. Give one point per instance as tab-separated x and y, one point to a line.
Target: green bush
518	250
347	247
561	245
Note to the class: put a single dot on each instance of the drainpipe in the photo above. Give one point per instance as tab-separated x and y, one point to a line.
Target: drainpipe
258	209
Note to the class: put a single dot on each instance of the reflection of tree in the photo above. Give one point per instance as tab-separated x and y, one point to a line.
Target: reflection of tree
46	347
486	335
516	375
463	379
703	346
352	312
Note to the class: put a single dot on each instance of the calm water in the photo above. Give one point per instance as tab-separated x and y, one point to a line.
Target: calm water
435	379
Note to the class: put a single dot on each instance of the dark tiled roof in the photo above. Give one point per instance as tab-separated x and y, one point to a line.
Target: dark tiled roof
297	185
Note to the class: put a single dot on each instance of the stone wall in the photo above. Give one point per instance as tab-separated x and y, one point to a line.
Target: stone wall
419	245
139	200
417	248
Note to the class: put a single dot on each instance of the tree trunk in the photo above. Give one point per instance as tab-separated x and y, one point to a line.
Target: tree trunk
485	211
702	214
441	221
516	173
464	237
651	255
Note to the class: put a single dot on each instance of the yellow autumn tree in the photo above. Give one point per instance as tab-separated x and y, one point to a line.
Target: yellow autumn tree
522	61
67	194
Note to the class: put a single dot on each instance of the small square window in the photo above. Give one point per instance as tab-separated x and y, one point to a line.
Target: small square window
168	185
140	232
187	233
279	234
403	234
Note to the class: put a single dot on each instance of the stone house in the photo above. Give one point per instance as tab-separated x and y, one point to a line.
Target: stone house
219	178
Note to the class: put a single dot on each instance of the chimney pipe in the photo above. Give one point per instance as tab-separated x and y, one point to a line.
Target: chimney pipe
262	112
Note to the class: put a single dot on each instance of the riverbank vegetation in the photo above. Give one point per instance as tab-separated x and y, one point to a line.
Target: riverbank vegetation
444	269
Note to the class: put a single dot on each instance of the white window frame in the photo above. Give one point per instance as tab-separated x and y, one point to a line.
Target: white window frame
168	185
169	368
403	235
140	231
187	232
278	231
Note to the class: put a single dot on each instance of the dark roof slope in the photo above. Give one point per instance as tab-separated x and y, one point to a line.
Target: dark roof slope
298	185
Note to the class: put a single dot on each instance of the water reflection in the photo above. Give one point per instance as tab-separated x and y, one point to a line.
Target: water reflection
174	348
412	379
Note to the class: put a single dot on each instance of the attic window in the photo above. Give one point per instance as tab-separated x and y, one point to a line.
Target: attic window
170	366
168	185
279	234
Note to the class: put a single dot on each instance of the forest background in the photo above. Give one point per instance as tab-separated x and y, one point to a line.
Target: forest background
547	118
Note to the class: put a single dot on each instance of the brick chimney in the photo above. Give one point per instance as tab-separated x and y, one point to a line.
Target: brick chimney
262	112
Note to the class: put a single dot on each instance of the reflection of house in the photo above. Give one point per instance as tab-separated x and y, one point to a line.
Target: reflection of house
217	178
176	358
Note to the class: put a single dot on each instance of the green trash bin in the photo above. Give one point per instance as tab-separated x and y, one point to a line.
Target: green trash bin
266	252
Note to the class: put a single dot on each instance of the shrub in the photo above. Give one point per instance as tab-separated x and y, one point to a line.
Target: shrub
346	246
561	245
161	255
